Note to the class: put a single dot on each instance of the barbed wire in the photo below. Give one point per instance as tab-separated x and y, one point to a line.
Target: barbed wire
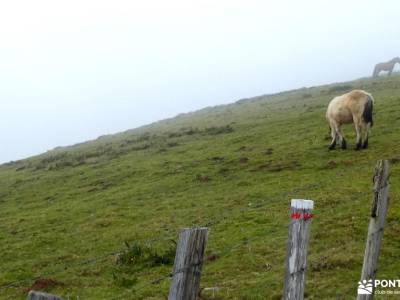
210	223
171	275
48	227
226	251
220	255
53	227
65	268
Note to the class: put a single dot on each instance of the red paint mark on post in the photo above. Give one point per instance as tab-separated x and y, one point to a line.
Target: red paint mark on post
296	216
308	216
305	216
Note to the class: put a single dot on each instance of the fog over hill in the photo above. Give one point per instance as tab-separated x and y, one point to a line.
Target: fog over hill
73	71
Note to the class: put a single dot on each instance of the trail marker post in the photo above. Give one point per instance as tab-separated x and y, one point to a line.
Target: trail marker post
296	260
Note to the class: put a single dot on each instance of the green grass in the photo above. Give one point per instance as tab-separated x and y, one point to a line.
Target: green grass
235	167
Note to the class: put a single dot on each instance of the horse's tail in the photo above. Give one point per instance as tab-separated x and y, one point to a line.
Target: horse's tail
368	109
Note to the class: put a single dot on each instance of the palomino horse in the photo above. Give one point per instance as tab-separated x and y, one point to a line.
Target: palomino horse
387	66
354	107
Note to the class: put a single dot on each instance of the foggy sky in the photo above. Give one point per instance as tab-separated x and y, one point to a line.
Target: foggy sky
73	70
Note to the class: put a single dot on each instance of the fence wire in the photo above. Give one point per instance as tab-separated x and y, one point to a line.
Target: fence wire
225	253
210	224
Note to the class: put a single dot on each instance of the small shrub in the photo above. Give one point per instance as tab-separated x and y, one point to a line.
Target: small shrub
394	160
145	256
175	134
244	160
219	130
217	159
44	284
138	257
268	151
202	178
141	147
124	280
172	144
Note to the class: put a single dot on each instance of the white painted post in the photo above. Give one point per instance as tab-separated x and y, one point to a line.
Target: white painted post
380	204
296	260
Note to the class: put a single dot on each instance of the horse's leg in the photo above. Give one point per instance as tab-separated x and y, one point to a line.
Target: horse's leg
333	135
366	133
342	140
357	126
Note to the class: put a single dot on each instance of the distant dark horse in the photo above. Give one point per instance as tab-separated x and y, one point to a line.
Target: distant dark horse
387	66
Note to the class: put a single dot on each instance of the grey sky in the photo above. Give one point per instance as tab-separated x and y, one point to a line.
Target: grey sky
73	70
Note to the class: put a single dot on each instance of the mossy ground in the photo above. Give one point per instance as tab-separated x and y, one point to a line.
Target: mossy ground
234	167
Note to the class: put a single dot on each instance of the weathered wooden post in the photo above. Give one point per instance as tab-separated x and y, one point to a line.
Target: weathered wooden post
33	295
188	264
296	260
380	203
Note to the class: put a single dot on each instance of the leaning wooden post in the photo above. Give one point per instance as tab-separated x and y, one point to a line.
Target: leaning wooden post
188	264
296	260
380	203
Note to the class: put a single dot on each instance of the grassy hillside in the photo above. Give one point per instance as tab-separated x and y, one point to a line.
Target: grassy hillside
65	213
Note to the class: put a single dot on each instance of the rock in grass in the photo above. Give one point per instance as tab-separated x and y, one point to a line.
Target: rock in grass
33	295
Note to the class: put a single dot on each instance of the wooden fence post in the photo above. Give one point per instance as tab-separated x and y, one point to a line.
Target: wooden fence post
296	260
33	295
188	264
380	203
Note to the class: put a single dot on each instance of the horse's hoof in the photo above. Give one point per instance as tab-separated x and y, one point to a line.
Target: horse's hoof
331	148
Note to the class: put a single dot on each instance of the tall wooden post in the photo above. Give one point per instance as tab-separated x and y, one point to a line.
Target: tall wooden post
296	260
380	204
188	264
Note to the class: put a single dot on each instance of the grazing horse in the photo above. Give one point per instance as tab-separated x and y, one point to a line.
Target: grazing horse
387	66
353	107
